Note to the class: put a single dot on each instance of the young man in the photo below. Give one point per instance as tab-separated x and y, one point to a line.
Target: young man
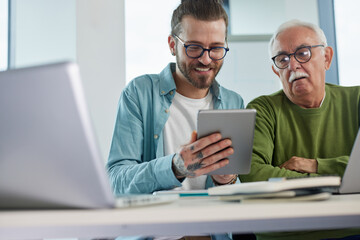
310	126
154	145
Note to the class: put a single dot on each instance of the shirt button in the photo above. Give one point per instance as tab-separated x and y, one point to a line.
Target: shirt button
162	92
171	92
156	136
166	110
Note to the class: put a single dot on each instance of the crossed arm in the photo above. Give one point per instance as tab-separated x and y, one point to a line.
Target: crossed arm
301	165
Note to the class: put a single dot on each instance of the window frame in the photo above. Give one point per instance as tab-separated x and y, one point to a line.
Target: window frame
4	31
327	24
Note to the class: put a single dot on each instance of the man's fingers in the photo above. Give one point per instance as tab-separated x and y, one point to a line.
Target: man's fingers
212	167
214	148
202	156
300	164
219	147
194	166
289	162
204	142
217	156
193	137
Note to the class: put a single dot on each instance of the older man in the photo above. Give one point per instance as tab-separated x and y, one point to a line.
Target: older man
308	127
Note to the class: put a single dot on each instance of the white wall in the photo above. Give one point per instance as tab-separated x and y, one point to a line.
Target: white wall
101	56
247	70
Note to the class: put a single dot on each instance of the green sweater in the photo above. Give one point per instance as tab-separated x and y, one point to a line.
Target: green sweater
284	129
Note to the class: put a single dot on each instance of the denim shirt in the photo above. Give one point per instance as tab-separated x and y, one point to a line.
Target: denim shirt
137	163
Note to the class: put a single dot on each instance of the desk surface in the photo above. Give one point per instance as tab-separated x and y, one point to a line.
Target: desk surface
186	216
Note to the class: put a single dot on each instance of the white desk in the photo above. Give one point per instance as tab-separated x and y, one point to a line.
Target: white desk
186	216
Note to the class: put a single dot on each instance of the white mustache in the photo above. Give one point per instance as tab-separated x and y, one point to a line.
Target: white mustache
295	75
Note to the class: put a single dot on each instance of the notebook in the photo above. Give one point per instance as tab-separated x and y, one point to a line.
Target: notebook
276	185
49	157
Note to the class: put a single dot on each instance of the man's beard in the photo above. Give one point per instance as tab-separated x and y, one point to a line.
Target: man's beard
201	81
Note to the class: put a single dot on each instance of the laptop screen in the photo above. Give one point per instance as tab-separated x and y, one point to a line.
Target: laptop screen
48	151
351	180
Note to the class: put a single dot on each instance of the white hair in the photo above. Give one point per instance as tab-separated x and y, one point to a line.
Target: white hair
297	23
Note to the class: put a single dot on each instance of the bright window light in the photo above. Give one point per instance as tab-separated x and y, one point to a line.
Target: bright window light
3	34
146	34
347	21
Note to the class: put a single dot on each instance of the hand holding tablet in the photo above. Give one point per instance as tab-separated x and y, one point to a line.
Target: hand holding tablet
238	126
202	156
222	145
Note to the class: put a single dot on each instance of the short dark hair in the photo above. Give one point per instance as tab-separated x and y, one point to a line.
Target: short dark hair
206	10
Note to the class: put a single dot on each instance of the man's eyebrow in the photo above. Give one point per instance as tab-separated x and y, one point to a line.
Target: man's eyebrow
281	52
302	45
298	47
201	44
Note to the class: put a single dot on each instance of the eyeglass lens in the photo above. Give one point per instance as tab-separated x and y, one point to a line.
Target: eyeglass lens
302	55
195	51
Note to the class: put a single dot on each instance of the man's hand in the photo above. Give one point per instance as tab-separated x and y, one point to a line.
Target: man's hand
202	156
302	165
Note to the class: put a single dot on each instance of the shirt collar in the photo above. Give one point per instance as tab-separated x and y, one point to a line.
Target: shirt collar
323	99
167	82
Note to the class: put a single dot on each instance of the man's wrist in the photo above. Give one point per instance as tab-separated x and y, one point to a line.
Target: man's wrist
177	165
232	181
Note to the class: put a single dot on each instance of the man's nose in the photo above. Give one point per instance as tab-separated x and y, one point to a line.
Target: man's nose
205	58
294	64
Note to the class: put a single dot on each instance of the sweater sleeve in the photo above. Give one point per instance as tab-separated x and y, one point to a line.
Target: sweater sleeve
332	165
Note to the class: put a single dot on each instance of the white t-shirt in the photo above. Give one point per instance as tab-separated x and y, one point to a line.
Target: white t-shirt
180	125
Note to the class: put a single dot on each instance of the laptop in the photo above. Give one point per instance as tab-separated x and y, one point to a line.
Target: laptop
350	182
49	157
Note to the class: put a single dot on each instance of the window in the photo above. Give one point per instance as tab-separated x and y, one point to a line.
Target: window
42	31
262	17
347	21
3	34
146	34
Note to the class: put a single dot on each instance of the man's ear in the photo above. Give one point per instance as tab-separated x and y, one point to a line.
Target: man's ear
275	71
172	45
329	52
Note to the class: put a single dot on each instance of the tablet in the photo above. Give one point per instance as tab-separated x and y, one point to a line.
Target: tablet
236	124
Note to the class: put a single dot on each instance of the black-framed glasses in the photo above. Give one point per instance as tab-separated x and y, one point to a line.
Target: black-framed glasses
196	51
302	55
